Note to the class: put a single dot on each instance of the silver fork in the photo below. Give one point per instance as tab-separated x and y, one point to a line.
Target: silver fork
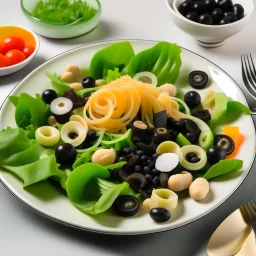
249	75
249	213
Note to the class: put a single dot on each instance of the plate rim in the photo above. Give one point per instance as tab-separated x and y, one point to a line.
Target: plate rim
55	220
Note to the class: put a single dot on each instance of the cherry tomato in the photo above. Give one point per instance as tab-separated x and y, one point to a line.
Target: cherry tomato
28	50
15	56
13	42
3	61
2	48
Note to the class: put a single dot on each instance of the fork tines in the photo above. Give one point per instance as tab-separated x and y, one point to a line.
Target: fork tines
249	74
249	212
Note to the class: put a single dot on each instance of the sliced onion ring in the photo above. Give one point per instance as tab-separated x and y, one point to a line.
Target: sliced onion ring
146	77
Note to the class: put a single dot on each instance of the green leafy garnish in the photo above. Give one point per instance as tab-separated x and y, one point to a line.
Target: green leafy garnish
223	167
88	191
58	85
63	12
163	59
113	75
116	55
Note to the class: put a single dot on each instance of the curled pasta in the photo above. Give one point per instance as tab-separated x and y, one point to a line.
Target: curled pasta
47	135
168	147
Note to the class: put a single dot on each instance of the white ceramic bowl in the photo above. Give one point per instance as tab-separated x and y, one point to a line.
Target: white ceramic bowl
209	35
60	31
30	39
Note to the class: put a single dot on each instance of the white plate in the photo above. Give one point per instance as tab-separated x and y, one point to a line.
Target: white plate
58	208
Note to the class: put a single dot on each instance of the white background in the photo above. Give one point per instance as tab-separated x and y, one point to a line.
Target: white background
22	232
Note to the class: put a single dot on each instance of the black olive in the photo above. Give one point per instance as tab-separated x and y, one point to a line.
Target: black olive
173	134
114	174
78	102
191	137
134	160
139	153
192	127
209	4
198	7
179	125
160	214
198	79
149	178
137	181
192	99
61	108
215	154
156	181
185	7
151	165
216	15
49	95
148	149
155	172
143	158
205	19
65	154
88	82
225	5
164	177
138	168
121	159
224	21
155	156
147	169
72	135
189	156
126	205
230	16
136	139
225	142
91	135
238	10
193	16
194	160
204	114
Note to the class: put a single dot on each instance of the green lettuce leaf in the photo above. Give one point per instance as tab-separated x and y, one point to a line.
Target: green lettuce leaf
58	85
116	55
113	75
163	60
223	167
37	171
90	194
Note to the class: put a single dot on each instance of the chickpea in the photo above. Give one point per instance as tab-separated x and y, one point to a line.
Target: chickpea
170	88
52	121
104	156
179	182
199	189
146	205
100	82
68	77
73	69
76	86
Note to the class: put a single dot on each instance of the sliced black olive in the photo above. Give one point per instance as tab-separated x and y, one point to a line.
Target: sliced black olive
134	160
124	172
126	205
192	127
198	7
230	16
238	10
78	102
185	7
191	137
215	154
139	129
204	114
160	135
173	134
225	142
49	95
160	214
145	194
198	79
148	149
61	108
160	119
216	15
137	181
136	139
192	99
65	154
193	16
224	21
209	4
88	82
164	177
225	5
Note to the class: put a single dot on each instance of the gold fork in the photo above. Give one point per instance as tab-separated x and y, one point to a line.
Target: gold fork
249	213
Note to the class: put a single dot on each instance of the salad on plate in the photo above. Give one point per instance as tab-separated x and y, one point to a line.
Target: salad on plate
122	137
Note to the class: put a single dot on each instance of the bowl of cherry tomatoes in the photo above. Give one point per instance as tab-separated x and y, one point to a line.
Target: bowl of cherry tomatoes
18	46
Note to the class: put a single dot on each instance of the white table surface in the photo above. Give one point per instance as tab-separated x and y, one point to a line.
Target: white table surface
22	232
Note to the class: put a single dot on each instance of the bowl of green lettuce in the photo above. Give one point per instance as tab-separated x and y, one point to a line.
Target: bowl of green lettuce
62	18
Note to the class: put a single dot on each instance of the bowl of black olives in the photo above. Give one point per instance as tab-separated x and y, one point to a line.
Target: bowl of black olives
211	22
